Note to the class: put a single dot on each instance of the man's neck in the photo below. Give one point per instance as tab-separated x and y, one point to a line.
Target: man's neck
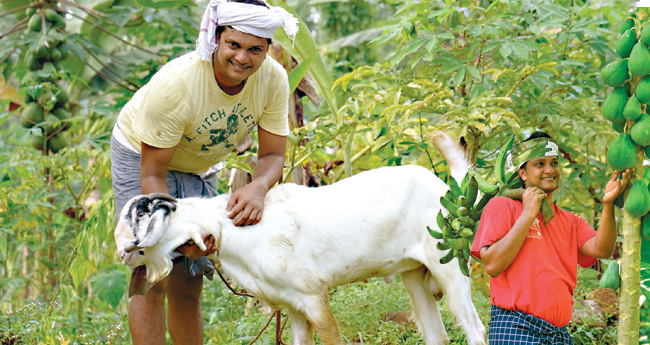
232	90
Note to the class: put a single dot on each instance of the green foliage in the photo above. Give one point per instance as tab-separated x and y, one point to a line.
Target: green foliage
481	70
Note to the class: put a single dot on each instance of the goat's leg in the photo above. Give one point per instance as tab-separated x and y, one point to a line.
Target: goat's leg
457	288
319	313
303	331
424	306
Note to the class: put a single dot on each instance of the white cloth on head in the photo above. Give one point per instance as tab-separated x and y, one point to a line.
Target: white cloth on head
251	19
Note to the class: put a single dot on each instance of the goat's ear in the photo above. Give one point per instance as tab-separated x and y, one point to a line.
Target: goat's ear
160	212
147	216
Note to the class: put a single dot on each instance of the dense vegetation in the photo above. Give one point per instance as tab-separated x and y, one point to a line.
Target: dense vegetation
387	72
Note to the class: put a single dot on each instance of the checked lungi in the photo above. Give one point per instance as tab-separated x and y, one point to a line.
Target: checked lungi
509	327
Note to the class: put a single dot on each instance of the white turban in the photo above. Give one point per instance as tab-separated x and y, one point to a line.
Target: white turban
250	19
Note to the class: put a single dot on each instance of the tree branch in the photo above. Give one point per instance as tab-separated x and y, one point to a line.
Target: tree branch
90	11
17	9
103	75
99	27
15	28
109	68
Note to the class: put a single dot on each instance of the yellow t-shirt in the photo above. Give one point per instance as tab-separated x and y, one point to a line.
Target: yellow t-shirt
183	106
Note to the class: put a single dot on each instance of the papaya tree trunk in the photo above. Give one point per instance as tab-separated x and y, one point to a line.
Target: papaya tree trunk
629	308
629	313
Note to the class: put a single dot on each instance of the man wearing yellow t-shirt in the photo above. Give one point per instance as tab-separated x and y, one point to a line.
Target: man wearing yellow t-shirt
184	121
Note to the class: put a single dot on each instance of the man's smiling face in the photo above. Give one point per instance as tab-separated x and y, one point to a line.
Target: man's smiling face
238	56
543	173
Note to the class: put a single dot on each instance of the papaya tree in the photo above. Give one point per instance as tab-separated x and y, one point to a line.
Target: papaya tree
625	107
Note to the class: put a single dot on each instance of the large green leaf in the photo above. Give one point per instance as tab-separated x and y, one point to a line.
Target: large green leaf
296	75
110	286
302	49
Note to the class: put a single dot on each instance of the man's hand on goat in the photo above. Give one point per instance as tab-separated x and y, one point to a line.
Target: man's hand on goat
193	251
246	204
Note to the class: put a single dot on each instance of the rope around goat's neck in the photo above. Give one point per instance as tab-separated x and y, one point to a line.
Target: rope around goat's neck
217	264
277	314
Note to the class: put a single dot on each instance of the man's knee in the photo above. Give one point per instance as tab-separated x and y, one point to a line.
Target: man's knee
182	285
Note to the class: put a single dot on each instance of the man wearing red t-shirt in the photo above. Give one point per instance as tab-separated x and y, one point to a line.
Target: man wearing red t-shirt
533	266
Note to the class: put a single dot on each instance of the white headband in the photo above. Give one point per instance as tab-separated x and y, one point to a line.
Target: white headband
250	19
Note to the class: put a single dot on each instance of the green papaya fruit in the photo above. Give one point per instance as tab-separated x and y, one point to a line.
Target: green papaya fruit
640	131
54	17
52	124
32	114
611	278
43	52
645	226
615	104
632	110
620	201
62	96
35	22
637	203
639	61
61	113
643	90
48	67
626	43
645	35
621	154
626	25
646	176
57	143
56	54
38	141
30	12
31	60
615	73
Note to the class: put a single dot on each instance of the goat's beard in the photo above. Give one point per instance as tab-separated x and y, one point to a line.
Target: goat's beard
159	264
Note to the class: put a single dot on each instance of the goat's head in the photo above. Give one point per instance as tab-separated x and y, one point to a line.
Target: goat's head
142	225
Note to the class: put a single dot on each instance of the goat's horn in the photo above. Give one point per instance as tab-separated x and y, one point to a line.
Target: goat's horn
161	196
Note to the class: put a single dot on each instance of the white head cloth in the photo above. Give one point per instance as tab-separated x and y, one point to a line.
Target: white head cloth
250	19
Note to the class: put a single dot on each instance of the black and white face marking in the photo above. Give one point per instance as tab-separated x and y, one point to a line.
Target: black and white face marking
146	214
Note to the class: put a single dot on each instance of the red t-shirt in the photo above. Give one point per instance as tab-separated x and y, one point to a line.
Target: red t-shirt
541	279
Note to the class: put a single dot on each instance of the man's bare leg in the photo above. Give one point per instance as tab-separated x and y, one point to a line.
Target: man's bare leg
184	308
147	316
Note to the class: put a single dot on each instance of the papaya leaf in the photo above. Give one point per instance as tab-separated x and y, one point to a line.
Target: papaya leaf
78	270
110	286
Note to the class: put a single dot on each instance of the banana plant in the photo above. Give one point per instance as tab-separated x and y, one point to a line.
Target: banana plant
305	49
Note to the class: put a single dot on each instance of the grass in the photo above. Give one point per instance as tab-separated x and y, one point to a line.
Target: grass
358	307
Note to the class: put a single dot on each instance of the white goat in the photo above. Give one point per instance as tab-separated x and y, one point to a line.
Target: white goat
313	239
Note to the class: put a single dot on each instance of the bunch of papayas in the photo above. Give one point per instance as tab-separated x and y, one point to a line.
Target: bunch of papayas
464	208
626	107
46	102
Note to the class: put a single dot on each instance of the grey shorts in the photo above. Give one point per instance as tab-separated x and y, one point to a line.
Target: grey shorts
125	168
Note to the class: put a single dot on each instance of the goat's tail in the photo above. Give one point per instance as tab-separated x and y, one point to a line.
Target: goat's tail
454	154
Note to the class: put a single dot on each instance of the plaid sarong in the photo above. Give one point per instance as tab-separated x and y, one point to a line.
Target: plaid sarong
509	327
